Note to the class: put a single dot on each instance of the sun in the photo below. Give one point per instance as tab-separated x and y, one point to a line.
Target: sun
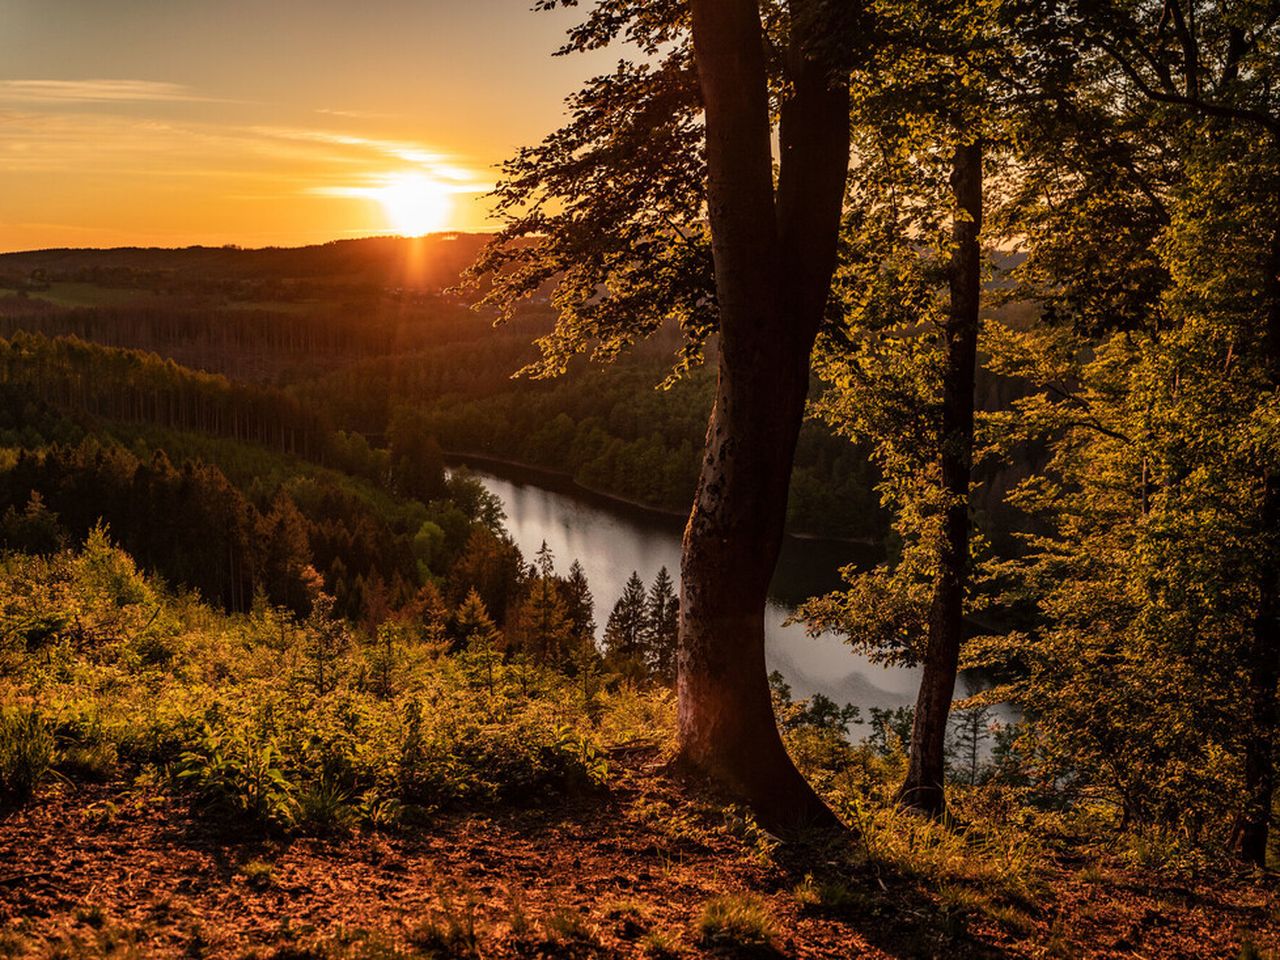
414	204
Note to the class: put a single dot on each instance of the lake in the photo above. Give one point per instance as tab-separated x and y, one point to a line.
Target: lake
611	539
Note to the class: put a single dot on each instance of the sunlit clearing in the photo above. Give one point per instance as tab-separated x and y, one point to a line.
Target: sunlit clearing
414	204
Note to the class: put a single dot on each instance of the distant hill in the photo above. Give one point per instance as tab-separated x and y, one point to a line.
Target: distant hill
429	263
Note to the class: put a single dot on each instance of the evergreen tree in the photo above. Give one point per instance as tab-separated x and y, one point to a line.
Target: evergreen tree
970	729
417	463
35	530
477	635
472	623
492	565
541	630
431	614
545	562
286	554
662	627
580	603
624	635
326	634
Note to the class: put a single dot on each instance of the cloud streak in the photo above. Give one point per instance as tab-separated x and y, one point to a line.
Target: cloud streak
97	91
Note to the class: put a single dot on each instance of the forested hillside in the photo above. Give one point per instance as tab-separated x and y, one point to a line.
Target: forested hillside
350	337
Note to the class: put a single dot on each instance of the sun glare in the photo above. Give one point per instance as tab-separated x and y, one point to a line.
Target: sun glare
414	204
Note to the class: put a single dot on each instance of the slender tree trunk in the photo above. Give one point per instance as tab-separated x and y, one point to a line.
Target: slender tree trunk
773	263
923	787
1262	658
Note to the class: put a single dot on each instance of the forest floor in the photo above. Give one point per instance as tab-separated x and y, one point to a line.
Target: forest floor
122	871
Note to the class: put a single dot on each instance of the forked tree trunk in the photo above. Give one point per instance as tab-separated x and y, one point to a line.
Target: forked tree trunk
1262	657
923	787
773	260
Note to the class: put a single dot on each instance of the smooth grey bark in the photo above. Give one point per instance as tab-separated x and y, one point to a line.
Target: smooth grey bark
774	257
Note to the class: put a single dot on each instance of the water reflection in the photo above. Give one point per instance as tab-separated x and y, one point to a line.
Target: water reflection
611	541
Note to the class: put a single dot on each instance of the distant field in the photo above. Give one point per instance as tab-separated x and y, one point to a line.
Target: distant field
71	294
276	306
67	294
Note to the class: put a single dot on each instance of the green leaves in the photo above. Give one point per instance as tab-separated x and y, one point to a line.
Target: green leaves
237	780
606	214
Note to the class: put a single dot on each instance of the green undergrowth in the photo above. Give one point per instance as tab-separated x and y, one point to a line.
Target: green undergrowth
261	724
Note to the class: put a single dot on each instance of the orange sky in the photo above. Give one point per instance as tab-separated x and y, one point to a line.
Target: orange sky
266	122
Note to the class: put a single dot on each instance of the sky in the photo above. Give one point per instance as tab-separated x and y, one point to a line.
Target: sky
267	122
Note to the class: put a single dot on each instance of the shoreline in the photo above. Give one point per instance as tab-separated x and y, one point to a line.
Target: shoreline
564	482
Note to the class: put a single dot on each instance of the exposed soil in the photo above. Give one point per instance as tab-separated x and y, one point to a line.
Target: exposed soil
120	871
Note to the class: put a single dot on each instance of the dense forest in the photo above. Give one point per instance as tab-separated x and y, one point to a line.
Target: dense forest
356	355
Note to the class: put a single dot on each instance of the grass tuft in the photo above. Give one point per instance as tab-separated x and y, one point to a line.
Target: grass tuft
449	931
737	920
258	874
568	928
26	753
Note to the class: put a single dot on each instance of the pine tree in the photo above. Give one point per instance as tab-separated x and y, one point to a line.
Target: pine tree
325	631
542	629
431	613
580	603
35	530
286	554
472	623
662	626
476	633
971	728
493	566
545	562
624	636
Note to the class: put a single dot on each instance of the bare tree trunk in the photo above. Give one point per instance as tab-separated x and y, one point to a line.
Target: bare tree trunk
1262	657
923	787
773	270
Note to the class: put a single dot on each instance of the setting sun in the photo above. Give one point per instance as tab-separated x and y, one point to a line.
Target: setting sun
414	204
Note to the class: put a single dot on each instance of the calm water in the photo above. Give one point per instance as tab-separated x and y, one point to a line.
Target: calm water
611	541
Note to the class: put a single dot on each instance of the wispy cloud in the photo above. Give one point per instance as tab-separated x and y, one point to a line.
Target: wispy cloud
96	91
446	170
357	114
293	160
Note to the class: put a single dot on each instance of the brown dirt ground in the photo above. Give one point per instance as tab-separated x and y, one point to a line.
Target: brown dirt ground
112	870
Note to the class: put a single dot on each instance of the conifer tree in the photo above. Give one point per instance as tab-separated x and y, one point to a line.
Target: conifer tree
286	554
662	627
541	629
326	633
580	604
432	614
476	633
472	623
545	562
624	636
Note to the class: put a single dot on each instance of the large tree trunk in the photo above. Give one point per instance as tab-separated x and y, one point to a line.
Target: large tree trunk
1262	657
773	269
923	787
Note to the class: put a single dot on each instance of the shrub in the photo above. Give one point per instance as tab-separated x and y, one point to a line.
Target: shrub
258	874
88	761
324	808
660	945
234	780
26	752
